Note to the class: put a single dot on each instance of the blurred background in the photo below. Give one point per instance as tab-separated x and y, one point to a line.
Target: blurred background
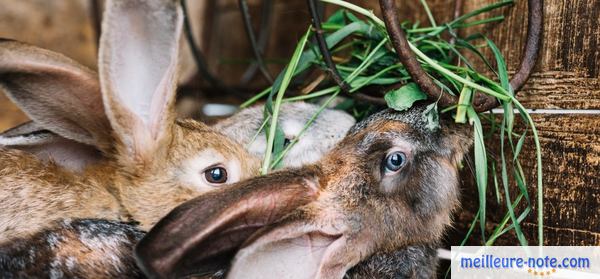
565	87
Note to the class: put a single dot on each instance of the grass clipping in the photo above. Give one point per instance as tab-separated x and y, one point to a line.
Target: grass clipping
360	43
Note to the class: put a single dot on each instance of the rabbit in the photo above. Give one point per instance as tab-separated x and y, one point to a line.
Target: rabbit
391	182
96	248
107	247
152	162
270	197
328	128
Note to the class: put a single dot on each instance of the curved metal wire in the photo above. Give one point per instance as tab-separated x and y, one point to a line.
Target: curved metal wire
331	69
532	45
197	54
407	57
256	49
481	102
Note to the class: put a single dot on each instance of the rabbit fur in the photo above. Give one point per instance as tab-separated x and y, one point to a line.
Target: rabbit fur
392	182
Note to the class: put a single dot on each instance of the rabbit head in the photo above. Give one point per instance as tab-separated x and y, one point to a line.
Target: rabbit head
391	182
321	136
153	162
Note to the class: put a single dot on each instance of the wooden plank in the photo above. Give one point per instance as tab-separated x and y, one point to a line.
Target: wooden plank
61	26
567	73
571	164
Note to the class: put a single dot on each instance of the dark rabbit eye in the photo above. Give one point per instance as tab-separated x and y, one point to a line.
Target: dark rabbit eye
395	161
217	175
286	142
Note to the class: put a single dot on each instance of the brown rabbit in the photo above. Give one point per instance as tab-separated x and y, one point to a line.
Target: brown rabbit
153	163
391	182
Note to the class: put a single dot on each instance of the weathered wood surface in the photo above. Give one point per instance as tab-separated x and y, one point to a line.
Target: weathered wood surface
571	164
567	75
62	26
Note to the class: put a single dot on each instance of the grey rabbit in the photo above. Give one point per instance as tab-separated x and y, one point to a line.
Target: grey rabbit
390	183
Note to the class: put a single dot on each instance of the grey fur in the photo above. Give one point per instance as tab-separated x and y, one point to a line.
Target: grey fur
320	137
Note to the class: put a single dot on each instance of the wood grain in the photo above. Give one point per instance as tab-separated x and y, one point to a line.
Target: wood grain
567	73
61	26
571	164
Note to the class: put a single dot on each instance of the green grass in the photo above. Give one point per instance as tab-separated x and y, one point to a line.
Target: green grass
359	37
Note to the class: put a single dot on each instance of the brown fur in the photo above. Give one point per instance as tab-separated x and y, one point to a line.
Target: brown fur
147	166
370	211
394	232
34	193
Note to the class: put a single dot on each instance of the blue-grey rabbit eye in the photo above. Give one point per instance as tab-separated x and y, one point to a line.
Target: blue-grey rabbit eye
395	161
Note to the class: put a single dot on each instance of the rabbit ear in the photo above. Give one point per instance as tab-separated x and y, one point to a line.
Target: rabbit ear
198	234
55	91
138	57
48	146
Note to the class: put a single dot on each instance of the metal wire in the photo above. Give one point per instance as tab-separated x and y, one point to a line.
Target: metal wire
407	57
331	69
256	50
481	101
197	54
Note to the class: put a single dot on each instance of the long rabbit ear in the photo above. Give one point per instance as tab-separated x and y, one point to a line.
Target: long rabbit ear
56	92
200	234
138	58
48	146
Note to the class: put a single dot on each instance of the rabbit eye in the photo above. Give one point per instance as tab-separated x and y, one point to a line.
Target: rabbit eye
395	161
217	175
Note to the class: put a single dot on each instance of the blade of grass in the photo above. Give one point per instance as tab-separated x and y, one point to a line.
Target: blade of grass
464	102
481	174
505	182
428	11
288	74
260	129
